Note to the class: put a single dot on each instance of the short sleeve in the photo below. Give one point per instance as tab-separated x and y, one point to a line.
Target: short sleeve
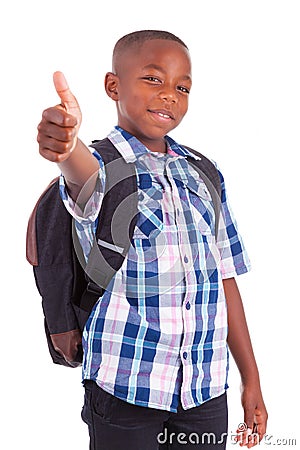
234	257
93	205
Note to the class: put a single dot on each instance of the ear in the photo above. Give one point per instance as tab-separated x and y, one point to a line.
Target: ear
111	83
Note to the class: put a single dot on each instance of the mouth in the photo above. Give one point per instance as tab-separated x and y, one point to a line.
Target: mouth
162	114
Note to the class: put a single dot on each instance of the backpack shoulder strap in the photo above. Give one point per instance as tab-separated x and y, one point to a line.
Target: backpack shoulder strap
210	175
116	220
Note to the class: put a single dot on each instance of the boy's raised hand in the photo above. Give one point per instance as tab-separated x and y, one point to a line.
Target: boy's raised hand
58	129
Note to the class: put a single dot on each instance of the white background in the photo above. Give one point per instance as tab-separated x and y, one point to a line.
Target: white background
244	113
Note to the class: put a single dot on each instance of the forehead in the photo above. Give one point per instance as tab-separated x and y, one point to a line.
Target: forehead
157	52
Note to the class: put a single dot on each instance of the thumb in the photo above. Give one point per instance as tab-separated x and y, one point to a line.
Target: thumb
68	99
249	418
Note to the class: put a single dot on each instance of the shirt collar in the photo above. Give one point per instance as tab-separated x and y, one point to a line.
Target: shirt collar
180	149
131	148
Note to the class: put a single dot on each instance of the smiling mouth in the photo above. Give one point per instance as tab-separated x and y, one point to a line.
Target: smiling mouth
165	115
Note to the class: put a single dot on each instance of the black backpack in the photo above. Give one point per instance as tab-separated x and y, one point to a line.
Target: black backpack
70	286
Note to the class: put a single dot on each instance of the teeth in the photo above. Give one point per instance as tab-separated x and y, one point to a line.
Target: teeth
163	115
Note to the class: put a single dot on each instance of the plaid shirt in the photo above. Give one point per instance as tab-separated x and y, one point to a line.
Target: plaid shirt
159	331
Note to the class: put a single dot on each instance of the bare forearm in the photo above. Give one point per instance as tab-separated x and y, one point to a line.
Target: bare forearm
239	341
81	167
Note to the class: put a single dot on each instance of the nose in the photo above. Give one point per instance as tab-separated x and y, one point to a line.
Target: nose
169	95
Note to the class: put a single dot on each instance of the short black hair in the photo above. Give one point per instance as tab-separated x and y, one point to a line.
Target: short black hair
139	37
142	36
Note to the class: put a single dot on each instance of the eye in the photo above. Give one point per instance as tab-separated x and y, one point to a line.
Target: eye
183	89
152	79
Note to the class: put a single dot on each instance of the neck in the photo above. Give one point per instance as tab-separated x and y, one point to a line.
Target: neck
154	145
159	147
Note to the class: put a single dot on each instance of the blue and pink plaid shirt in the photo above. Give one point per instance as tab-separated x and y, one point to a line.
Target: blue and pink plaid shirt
158	334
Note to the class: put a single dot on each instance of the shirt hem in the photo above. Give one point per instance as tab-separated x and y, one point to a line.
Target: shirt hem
154	405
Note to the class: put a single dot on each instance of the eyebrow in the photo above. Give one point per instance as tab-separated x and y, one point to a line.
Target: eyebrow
160	69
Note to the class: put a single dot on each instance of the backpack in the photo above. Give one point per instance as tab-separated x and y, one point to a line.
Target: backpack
69	285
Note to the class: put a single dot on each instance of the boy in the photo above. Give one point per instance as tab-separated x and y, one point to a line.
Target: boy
155	345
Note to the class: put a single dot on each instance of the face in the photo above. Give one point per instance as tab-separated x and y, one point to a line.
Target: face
151	90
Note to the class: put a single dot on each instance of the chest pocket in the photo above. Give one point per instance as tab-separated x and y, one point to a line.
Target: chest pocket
150	215
202	209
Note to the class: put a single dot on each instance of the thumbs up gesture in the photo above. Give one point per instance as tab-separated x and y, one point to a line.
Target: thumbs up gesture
58	129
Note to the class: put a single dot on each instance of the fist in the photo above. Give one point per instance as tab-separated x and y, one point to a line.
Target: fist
58	129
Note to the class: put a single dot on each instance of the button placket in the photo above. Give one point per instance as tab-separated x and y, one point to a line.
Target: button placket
187	260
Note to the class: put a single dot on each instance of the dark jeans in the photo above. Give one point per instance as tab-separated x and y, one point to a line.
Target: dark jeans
117	425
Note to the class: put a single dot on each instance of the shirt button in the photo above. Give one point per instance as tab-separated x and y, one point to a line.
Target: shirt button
186	259
185	355
188	306
141	196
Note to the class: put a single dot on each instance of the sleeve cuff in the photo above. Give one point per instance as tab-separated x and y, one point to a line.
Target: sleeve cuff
93	205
